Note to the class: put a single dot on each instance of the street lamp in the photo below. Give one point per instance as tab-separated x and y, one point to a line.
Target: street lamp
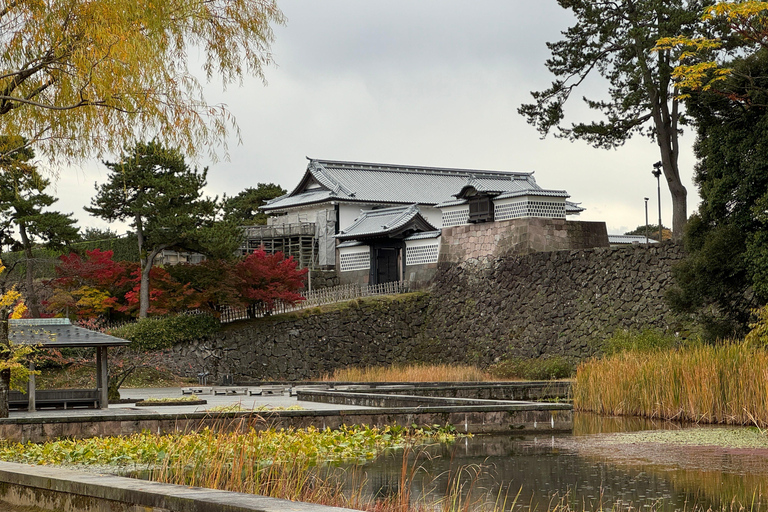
646	220
657	172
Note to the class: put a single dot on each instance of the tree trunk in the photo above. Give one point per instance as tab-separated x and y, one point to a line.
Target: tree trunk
5	375
146	267
667	138
665	114
679	205
32	301
144	288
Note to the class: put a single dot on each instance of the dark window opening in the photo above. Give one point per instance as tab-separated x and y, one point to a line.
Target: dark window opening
481	209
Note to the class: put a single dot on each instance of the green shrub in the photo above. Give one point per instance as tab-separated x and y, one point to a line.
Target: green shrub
648	340
164	332
542	368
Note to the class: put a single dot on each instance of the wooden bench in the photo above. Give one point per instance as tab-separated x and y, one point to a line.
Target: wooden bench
55	399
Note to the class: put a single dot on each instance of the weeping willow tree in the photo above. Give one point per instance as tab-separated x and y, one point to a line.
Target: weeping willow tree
80	78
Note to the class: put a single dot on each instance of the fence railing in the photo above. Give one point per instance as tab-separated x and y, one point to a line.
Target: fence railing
316	298
280	230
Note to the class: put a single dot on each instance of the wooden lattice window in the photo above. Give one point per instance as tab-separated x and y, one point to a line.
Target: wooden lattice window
480	209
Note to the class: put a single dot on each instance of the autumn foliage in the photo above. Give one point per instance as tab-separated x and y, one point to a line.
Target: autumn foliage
262	279
97	286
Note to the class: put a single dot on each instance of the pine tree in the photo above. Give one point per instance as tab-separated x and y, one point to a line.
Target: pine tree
154	189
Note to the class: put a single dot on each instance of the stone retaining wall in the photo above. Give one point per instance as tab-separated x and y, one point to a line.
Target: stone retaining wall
517	237
312	342
561	303
324	279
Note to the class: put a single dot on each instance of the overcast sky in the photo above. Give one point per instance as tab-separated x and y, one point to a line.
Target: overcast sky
416	82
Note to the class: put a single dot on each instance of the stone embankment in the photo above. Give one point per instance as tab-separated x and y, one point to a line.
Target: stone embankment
557	303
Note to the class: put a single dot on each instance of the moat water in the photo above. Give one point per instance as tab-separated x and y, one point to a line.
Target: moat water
582	470
588	469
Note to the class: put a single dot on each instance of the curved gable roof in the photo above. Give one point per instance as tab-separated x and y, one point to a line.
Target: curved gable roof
386	222
386	183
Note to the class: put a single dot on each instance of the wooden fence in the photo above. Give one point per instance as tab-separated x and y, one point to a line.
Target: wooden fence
316	298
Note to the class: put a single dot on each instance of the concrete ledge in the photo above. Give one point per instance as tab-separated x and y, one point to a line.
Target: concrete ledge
64	490
529	390
520	417
381	399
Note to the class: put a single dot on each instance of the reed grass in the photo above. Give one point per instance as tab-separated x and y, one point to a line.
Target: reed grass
726	383
410	373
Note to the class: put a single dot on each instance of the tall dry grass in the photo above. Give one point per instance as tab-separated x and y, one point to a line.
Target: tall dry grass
410	373
726	383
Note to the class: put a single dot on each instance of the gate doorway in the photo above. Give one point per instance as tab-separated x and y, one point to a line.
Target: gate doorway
385	266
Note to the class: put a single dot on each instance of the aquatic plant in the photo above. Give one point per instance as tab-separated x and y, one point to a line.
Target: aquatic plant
726	383
207	445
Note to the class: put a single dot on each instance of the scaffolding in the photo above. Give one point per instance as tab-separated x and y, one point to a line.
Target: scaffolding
297	240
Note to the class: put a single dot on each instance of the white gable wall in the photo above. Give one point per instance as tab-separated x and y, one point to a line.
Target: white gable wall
348	212
433	215
295	216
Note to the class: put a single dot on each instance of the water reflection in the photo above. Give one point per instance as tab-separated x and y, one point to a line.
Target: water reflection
547	468
587	424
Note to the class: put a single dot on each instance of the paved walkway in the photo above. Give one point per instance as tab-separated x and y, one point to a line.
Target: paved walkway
246	401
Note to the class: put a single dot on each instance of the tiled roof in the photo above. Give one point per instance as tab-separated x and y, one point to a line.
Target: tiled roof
629	239
425	235
383	222
308	197
349	243
539	193
404	184
58	332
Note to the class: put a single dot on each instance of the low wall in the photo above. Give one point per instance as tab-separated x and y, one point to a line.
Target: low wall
524	417
64	490
530	390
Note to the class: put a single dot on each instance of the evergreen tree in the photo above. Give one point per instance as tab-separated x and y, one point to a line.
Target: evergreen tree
725	273
153	188
244	207
652	230
22	212
617	40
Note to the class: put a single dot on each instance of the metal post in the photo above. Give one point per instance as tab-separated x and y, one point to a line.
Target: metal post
657	172
646	220
31	389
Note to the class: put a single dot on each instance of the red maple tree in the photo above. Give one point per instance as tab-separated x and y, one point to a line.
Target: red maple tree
264	279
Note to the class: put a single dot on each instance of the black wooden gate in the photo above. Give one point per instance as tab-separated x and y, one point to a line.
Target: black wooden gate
385	264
